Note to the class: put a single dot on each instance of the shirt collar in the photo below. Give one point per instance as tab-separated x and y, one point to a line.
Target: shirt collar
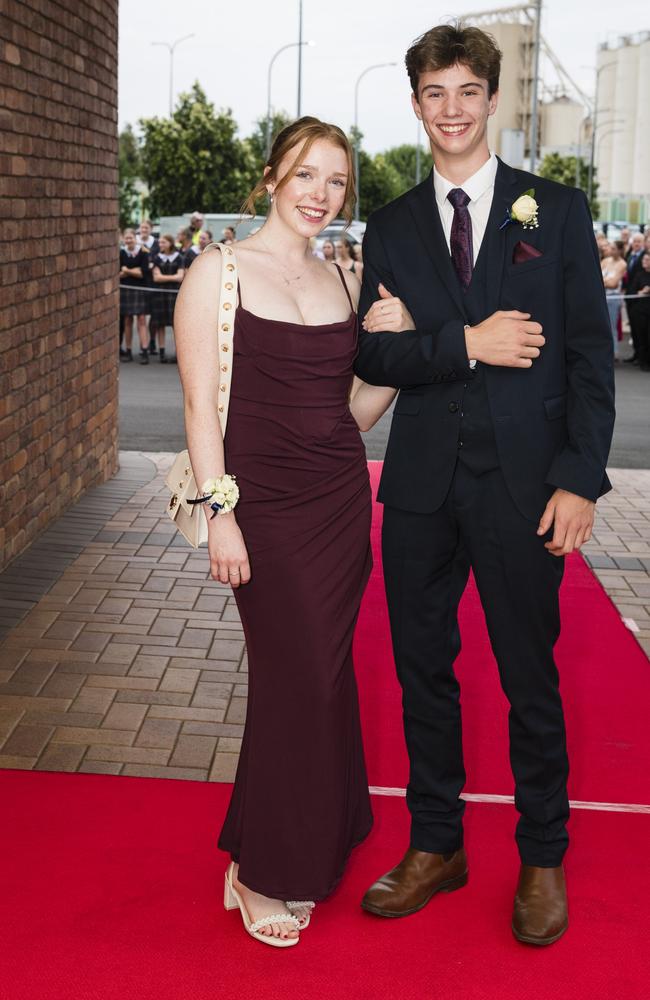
475	186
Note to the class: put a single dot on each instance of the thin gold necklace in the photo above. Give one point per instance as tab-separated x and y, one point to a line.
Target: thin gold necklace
287	280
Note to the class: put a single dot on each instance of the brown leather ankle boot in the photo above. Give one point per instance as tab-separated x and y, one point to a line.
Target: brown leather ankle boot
540	913
419	876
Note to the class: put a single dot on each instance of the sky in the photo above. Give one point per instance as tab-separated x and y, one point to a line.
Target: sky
234	41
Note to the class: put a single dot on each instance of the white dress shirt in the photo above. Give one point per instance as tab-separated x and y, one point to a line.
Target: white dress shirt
480	190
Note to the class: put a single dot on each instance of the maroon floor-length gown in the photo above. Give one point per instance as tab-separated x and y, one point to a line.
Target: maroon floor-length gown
300	801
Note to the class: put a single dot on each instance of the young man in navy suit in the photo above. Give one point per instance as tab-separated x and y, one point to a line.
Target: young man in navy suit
495	460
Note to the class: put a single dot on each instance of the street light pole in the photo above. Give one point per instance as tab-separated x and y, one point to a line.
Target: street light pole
592	156
534	110
582	124
299	57
605	135
291	45
171	47
368	69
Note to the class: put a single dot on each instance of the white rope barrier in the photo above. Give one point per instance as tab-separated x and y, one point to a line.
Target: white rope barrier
150	288
175	291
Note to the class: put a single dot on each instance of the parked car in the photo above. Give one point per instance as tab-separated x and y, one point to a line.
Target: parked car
339	228
216	223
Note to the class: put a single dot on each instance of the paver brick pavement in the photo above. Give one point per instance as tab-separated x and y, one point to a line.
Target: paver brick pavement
132	661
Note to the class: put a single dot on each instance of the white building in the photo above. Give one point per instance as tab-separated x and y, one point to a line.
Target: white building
623	127
563	126
560	117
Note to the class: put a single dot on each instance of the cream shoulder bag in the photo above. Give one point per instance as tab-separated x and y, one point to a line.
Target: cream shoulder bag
188	518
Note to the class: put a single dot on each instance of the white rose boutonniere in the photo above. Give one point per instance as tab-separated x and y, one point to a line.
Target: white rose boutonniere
524	210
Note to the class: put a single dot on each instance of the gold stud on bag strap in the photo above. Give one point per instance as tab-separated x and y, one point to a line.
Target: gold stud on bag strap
180	480
225	330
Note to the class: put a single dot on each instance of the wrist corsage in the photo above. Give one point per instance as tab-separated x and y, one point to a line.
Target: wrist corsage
222	493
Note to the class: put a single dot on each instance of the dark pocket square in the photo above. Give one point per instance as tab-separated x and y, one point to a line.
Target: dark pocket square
523	252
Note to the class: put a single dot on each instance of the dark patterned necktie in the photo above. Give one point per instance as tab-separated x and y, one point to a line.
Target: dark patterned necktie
462	251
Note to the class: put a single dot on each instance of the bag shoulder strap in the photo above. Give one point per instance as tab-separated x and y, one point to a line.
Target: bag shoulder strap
226	327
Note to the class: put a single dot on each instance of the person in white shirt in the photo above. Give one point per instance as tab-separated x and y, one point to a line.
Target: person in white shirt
496	457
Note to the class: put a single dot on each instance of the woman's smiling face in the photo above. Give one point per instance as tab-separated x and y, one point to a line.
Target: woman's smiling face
315	194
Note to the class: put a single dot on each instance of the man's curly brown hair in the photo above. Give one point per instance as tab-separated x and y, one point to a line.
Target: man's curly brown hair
449	44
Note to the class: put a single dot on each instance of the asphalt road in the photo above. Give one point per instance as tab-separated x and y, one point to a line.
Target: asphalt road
151	414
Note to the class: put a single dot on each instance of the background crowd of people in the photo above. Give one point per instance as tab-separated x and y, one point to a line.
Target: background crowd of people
625	265
151	272
152	269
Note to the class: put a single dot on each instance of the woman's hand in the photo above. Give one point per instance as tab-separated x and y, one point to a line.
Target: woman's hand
227	549
388	314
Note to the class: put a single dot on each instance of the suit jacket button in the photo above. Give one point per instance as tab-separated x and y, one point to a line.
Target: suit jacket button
453	407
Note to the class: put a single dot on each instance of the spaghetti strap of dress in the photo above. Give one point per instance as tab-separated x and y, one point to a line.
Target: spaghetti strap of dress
345	285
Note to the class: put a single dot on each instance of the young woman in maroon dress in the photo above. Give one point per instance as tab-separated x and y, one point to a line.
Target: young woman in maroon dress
296	548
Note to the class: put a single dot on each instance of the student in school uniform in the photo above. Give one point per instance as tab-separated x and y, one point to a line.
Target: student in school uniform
189	250
168	273
147	241
134	269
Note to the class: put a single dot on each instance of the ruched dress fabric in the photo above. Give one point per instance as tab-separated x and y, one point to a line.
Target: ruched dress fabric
300	801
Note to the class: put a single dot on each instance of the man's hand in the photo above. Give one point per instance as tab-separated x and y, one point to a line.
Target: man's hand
227	549
507	339
387	314
573	520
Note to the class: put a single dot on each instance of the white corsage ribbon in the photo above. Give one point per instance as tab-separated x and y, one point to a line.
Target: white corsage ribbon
221	492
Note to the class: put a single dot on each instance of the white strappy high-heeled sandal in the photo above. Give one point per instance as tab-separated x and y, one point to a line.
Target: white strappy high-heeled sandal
295	906
232	900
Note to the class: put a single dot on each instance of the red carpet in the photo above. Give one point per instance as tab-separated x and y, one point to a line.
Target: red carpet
605	678
112	891
111	887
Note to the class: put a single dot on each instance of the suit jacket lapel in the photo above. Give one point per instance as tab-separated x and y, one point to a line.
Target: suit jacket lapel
494	240
427	221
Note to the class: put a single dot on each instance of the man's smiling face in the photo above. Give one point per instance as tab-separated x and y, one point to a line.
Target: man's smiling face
454	106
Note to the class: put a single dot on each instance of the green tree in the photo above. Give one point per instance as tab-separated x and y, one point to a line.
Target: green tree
195	160
379	182
129	153
403	160
129	202
256	146
257	140
129	172
563	169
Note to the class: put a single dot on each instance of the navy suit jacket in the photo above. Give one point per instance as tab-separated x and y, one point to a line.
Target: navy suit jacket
553	422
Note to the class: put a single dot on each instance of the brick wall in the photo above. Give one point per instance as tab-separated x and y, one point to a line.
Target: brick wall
58	283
